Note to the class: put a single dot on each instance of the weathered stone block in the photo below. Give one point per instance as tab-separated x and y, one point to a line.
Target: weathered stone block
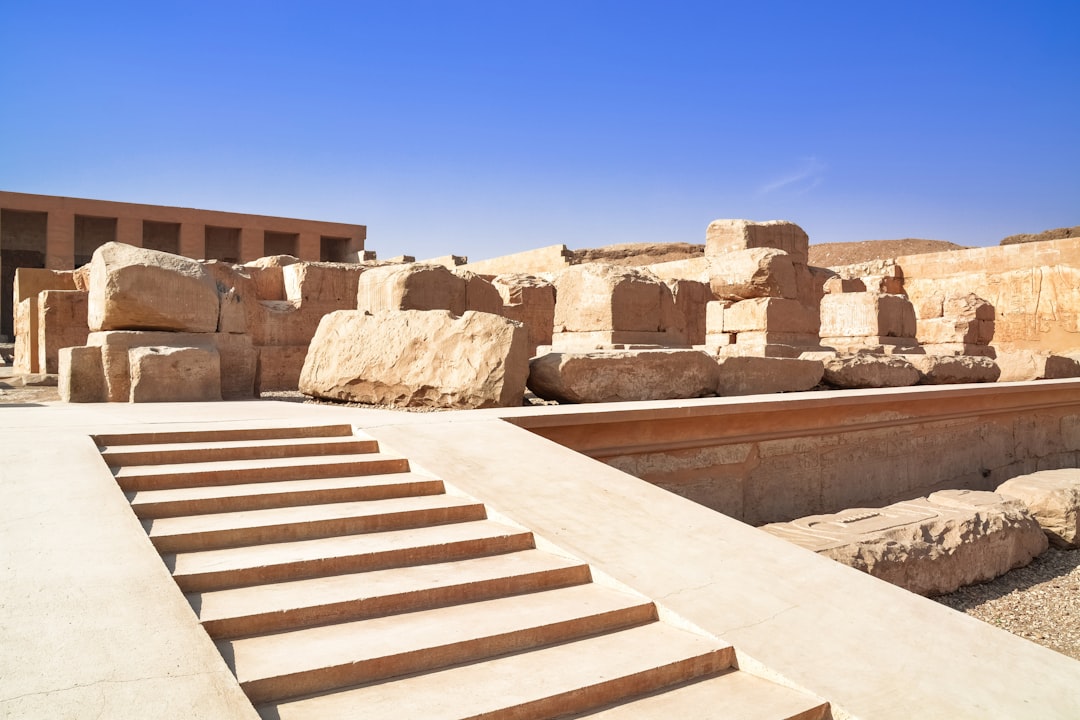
1023	365
139	289
26	336
929	546
236	357
862	370
866	314
724	236
757	272
408	358
778	315
278	367
82	377
174	374
1053	498
598	297
529	300
61	324
622	375
480	294
323	283
952	369
691	298
413	286
757	375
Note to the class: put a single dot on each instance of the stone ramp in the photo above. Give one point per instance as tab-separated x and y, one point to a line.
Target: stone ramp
337	581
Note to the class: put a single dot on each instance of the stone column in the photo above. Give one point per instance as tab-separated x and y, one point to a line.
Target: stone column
129	230
309	246
252	241
193	240
60	240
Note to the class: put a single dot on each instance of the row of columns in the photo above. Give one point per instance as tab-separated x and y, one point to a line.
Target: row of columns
60	240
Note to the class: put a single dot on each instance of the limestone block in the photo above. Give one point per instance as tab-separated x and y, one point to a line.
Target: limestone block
82	378
714	316
417	358
29	282
237	294
26	336
480	294
1023	365
61	324
929	546
867	314
139	289
236	358
268	275
691	298
599	297
770	314
278	367
324	283
280	322
174	374
966	319
413	286
862	370
724	236
529	300
622	375
959	349
1053	498
756	375
952	369
756	272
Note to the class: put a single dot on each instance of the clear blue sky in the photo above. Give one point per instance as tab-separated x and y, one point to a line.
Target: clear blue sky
483	128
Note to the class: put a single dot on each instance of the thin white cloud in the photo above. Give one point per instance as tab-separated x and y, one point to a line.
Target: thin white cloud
808	175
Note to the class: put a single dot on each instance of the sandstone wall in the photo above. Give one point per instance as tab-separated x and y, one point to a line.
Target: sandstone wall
782	457
1034	288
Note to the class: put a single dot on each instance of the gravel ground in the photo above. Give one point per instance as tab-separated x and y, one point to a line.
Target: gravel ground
1039	602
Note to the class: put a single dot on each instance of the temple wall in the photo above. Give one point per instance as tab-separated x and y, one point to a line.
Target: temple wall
775	458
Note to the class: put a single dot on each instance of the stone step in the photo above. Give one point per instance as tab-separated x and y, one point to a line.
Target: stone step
553	681
318	601
232	472
187	452
300	662
236	567
176	502
305	522
222	435
732	694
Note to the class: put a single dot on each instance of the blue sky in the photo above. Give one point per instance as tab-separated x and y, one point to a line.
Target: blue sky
484	128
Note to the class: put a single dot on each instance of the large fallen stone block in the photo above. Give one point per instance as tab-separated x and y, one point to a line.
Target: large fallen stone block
139	289
757	272
929	546
417	358
747	375
611	298
966	319
237	358
174	374
81	376
622	375
61	324
1024	365
413	286
724	236
529	300
1053	498
953	369
862	370
691	300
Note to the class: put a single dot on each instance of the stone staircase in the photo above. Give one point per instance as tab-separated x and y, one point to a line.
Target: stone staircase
337	582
